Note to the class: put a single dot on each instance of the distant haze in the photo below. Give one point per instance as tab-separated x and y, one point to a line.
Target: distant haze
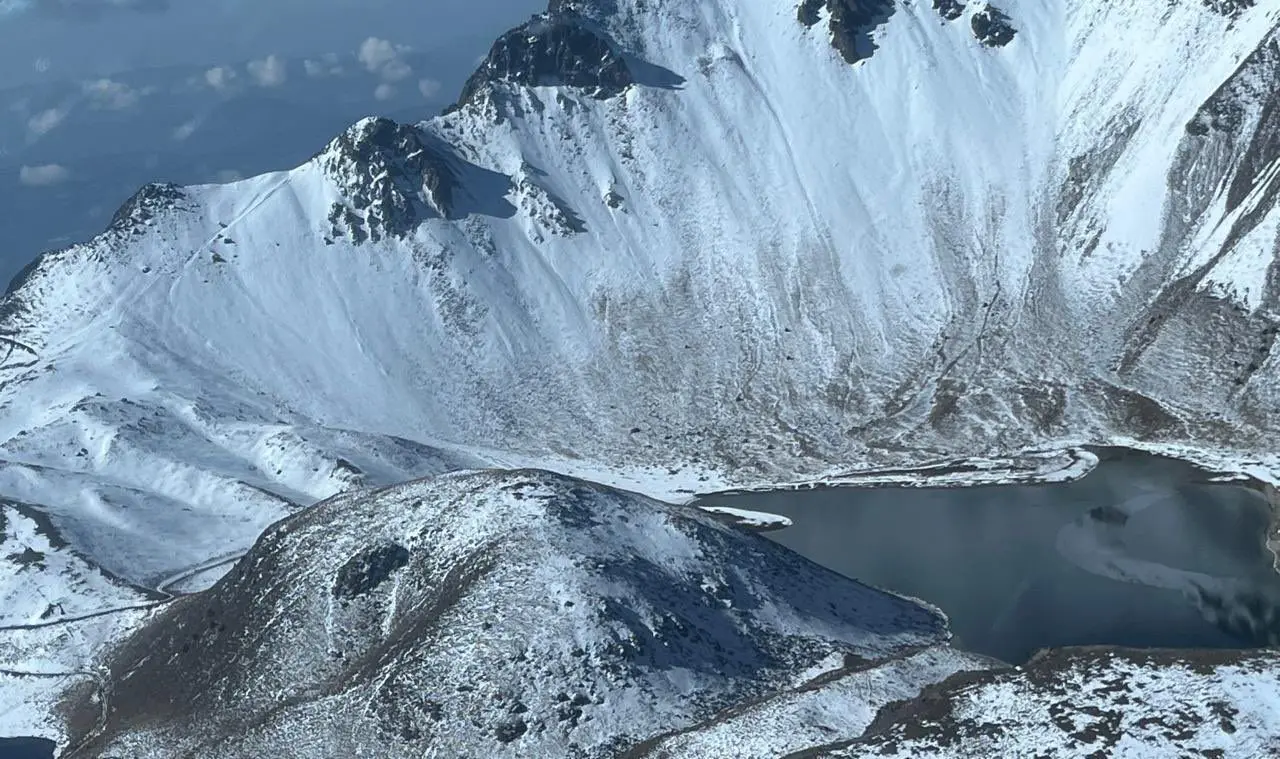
98	97
83	38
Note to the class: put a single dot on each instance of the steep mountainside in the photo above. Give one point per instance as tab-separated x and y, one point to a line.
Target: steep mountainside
674	246
637	250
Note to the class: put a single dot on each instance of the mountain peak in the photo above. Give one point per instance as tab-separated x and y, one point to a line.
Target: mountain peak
557	48
392	175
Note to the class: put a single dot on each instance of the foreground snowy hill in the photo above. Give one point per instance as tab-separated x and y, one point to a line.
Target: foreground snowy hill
510	614
529	614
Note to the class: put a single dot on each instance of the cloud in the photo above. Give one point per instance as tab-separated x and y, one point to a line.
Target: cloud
46	121
268	72
186	129
396	70
384	58
385	91
326	65
89	10
428	88
316	69
110	94
375	53
43	176
227	176
219	77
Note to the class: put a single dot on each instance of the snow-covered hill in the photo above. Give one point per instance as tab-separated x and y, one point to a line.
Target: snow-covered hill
510	613
678	247
1087	703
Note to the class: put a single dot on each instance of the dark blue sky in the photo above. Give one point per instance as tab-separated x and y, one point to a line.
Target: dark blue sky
100	96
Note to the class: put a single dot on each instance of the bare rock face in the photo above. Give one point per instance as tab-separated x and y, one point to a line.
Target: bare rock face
1229	8
851	22
510	614
949	9
368	569
993	27
558	48
393	179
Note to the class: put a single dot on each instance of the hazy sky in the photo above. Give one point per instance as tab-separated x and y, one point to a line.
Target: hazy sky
98	97
41	39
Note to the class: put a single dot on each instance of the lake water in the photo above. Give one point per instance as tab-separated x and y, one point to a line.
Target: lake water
26	748
1142	552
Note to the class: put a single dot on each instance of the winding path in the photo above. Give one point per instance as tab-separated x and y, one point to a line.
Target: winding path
101	679
102	684
162	588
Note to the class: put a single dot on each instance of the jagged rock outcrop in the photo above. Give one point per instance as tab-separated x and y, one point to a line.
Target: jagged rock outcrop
949	9
852	23
1229	8
993	27
392	179
558	48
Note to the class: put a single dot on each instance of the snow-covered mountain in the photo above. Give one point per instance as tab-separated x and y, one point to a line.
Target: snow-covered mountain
682	246
675	247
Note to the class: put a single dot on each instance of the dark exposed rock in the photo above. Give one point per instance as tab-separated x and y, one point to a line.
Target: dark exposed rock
369	569
1229	8
145	204
852	23
1044	404
949	9
392	175
509	731
553	49
1146	416
993	27
28	557
1231	141
808	11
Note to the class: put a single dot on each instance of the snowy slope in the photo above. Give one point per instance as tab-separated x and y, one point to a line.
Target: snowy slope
837	704
683	272
506	613
1086	703
678	247
32	554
